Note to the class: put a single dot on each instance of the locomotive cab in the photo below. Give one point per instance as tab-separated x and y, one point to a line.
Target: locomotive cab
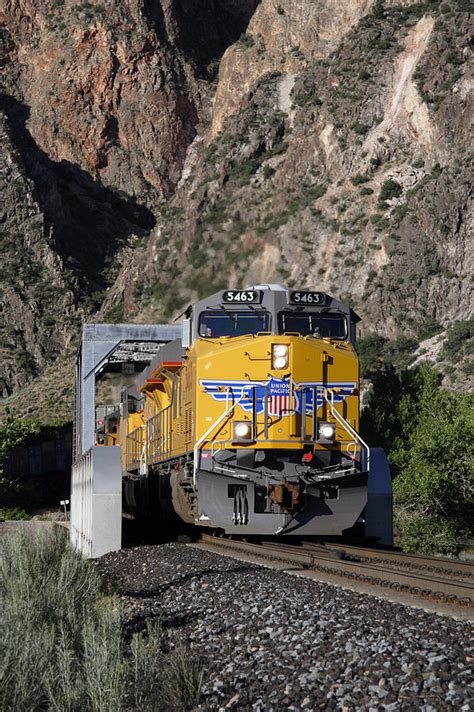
269	309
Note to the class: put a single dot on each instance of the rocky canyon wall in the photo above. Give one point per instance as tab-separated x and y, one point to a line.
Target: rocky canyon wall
155	151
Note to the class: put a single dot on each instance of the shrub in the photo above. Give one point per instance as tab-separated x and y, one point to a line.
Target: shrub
115	313
279	147
434	492
246	41
390	189
360	128
377	353
378	9
429	327
47	593
428	434
13	514
303	99
370	351
359	178
14	492
61	640
457	336
398	213
14	433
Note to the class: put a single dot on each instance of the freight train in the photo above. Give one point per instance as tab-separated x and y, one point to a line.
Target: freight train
249	424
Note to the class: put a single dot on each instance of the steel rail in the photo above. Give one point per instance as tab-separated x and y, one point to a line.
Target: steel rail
433	563
449	589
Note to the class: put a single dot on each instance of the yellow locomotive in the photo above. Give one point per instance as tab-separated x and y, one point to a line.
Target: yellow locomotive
250	423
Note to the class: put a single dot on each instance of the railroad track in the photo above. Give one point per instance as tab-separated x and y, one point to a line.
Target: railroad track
416	562
427	577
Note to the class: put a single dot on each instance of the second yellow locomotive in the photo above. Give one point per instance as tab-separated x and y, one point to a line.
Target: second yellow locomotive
250	423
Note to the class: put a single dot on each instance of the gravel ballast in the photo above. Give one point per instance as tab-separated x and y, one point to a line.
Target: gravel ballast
271	641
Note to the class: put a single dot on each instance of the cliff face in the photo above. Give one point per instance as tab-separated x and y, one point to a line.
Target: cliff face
339	163
156	151
115	88
98	103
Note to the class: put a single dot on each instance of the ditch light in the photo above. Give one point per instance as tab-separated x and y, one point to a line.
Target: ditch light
242	431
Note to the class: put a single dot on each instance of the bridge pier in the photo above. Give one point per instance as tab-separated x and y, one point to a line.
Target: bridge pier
96	502
96	482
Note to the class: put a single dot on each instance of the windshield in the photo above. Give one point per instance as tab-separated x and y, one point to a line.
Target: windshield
323	325
213	324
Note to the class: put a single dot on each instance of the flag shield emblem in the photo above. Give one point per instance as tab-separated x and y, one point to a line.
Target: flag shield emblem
280	402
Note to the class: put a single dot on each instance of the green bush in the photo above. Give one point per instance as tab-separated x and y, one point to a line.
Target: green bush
434	491
47	593
13	514
16	492
115	314
377	353
429	327
360	128
390	189
14	432
458	335
303	99
246	41
428	434
268	171
359	178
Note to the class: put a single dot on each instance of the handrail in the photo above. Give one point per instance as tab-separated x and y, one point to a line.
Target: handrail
204	437
159	428
143	467
133	439
343	422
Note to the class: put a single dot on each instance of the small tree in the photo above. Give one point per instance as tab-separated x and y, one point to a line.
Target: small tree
17	491
390	189
434	491
428	434
14	433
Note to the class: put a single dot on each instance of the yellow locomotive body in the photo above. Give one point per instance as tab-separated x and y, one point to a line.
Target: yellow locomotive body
184	405
250	423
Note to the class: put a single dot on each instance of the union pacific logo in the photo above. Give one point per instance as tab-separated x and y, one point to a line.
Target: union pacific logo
280	401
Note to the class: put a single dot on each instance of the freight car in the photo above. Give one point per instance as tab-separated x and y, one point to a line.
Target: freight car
250	423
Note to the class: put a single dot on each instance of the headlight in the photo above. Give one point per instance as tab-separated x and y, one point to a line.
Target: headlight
326	432
279	356
242	430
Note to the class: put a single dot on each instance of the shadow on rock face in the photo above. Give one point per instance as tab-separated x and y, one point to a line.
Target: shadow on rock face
201	30
87	222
